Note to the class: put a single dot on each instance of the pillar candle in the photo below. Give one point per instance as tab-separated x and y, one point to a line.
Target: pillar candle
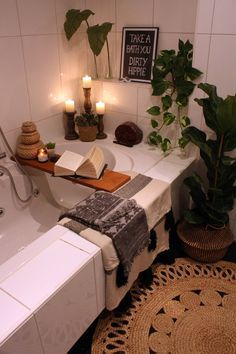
100	107
70	106
86	81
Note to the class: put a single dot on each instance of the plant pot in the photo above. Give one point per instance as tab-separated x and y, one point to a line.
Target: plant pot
204	244
51	152
87	133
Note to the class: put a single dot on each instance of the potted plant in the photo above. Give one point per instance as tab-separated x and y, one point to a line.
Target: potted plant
173	76
50	146
87	126
97	34
205	231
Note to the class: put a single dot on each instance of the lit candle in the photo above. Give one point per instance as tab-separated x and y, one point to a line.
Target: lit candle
70	106
42	155
86	81
100	107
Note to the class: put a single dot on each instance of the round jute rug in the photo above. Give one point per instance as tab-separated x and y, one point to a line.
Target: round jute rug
189	309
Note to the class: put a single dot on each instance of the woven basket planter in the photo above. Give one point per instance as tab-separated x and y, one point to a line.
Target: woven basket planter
87	133
30	138
29	152
204	244
28	127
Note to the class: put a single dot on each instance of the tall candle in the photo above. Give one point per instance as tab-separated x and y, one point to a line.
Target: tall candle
70	106
86	81
100	107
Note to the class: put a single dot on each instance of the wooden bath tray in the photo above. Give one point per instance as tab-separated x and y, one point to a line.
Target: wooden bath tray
109	181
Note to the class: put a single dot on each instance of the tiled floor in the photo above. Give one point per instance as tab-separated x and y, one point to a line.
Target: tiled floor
83	346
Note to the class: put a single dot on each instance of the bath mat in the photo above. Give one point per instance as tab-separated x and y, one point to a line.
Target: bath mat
189	308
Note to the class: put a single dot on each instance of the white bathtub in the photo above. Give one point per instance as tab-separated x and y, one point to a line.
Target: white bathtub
118	158
28	234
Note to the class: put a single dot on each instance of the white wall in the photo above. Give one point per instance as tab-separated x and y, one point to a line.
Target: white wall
40	68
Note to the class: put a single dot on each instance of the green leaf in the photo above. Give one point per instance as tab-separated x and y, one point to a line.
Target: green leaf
154	111
227	160
229	141
154	123
211	91
165	145
226	115
74	18
184	87
154	138
198	138
186	47
194	217
184	121
209	111
159	87
183	141
97	35
182	100
193	73
168	118
158	74
166	102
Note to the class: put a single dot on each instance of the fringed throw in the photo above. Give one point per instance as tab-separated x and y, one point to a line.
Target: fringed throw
123	220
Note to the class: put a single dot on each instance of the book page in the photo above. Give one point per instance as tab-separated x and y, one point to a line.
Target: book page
70	161
93	165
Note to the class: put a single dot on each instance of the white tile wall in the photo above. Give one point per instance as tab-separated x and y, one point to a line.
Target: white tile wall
134	13
120	97
42	65
9	24
51	66
205	11
221	59
175	16
13	87
105	11
224	17
37	17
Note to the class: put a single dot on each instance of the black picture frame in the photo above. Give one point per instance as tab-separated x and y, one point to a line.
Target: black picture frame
139	49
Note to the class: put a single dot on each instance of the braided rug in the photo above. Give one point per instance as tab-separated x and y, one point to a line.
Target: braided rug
190	308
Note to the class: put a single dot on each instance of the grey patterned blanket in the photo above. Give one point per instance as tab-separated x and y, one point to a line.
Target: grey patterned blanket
119	218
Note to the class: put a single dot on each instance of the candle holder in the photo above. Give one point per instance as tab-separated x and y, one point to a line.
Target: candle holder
101	134
87	101
69	125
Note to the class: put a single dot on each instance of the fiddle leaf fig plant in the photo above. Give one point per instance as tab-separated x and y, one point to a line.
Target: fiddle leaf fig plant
215	198
173	76
97	35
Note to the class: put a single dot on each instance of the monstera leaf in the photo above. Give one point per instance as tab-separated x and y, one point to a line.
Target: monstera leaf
74	18
97	35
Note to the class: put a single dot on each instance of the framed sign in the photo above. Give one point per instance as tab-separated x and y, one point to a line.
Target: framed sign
139	46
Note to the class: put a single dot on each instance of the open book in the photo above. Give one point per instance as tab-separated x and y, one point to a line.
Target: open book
71	163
